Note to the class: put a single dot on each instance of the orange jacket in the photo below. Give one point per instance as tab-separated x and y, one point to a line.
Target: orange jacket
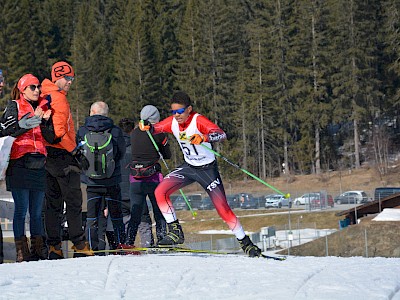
62	117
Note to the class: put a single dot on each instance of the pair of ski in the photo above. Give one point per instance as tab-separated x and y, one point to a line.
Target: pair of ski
177	249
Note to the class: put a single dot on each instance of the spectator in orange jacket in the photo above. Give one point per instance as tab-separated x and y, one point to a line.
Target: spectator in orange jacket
63	168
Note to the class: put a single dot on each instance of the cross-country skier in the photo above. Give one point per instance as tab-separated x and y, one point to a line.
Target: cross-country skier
191	129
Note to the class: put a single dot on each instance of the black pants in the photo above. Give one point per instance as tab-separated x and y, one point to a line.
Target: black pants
63	186
138	193
97	199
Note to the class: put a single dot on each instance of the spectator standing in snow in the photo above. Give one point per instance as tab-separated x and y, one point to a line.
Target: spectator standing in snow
63	167
192	129
107	189
25	176
146	174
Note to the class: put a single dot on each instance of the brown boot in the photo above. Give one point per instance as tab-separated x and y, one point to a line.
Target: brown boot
22	248
38	249
55	252
82	250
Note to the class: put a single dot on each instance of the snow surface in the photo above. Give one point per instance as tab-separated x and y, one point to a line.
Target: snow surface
388	214
201	276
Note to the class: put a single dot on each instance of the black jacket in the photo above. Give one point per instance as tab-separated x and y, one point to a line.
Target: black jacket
125	171
143	148
98	123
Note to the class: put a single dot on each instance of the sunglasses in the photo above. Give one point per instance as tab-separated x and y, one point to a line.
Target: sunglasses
69	78
33	87
178	111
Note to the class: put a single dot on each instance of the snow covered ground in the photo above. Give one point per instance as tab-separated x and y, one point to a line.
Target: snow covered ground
201	276
182	276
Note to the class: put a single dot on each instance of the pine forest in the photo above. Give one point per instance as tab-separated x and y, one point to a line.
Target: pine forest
299	86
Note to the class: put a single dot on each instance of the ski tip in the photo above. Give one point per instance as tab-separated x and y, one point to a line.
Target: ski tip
280	258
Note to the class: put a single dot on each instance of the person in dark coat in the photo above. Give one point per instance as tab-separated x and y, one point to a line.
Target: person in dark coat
106	189
145	226
144	183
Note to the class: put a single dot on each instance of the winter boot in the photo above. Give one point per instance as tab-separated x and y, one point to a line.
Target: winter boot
22	248
249	248
82	250
174	236
112	243
55	252
38	248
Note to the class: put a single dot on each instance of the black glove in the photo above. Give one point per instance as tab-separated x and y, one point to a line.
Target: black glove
81	159
27	122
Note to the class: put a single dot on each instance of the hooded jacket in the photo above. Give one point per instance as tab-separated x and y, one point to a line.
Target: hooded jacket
62	117
98	123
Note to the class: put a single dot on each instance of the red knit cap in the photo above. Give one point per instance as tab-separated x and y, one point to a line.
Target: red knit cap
61	69
27	80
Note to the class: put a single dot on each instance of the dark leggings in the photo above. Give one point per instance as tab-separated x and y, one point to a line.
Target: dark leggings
138	193
95	196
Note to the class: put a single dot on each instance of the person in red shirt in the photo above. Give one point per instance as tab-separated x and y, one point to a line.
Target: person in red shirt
190	130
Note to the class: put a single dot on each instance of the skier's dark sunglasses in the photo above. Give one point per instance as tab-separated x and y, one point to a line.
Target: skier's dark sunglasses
178	111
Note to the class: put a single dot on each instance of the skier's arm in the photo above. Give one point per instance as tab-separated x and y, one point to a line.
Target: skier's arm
211	131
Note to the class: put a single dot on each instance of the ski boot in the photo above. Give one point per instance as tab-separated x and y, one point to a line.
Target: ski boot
174	236
249	248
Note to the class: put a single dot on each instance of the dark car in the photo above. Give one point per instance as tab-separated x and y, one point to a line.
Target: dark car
233	201
206	204
247	201
195	200
179	203
352	197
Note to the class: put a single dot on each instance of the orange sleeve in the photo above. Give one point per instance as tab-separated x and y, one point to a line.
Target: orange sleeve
60	108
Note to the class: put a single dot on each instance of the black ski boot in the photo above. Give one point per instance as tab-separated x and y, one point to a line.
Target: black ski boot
174	236
249	248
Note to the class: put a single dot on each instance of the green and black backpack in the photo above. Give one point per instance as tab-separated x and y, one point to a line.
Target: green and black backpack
98	150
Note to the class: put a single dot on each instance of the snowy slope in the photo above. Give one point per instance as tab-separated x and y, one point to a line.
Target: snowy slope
182	276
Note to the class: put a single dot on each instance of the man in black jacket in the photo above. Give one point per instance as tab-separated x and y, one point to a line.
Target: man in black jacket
104	189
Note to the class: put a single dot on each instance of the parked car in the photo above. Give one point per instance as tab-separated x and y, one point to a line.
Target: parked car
206	204
352	197
233	201
247	201
195	200
274	201
323	201
306	198
179	203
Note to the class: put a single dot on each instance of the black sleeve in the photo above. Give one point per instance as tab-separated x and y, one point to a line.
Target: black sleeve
121	145
48	133
163	144
9	121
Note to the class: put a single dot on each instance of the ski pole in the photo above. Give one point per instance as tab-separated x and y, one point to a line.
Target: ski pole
194	214
245	171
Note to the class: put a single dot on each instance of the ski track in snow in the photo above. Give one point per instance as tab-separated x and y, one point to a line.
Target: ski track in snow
198	277
304	286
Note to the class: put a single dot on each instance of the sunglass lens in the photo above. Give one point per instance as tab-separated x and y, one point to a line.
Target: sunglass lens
69	78
34	87
178	111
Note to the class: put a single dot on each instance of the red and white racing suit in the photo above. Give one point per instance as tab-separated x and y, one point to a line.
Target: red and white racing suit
200	166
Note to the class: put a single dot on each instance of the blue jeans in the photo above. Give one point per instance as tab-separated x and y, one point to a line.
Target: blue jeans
24	198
